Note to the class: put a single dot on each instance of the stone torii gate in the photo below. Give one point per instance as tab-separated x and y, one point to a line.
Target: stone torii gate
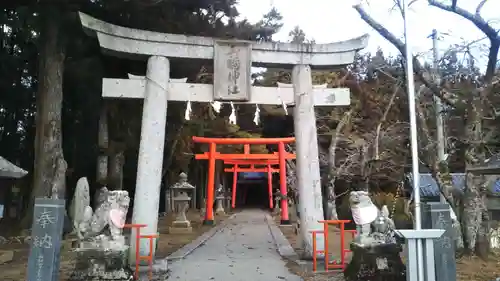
232	60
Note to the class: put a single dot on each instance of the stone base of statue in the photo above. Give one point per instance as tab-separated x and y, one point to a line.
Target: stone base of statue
180	227
219	210
94	264
376	262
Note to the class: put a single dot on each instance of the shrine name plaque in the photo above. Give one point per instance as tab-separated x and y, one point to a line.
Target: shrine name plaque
232	70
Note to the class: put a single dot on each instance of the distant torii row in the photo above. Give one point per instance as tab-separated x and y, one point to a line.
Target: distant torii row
245	158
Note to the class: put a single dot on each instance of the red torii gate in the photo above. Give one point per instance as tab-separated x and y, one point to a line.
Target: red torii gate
281	156
252	163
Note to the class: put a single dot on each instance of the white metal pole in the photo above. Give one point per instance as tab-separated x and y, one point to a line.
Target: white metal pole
414	141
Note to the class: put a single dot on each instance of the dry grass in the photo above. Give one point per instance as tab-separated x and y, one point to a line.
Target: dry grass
476	269
168	243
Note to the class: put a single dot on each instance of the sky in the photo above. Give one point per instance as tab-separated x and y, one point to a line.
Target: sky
328	21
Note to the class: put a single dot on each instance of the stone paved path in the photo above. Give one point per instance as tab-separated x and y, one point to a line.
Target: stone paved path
243	250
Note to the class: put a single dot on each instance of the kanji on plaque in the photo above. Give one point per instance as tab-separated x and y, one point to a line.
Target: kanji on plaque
43	242
446	242
45	218
233	65
39	267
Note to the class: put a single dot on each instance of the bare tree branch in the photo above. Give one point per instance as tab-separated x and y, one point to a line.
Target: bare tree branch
482	25
426	132
446	96
382	120
335	138
397	4
475	19
480	6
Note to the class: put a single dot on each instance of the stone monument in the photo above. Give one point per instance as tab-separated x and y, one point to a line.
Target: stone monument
437	216
181	201
376	253
81	199
102	253
219	201
46	236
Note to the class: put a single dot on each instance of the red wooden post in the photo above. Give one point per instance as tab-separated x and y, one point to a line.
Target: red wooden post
137	229
342	244
325	240
209	214
149	258
270	185
342	223
235	184
315	248
284	201
315	258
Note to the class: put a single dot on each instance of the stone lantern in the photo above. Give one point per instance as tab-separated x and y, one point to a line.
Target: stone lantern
181	199
219	209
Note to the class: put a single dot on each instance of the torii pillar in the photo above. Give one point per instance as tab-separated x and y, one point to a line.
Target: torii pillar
233	60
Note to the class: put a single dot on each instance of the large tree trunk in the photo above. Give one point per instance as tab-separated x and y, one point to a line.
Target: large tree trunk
474	214
48	140
440	172
471	213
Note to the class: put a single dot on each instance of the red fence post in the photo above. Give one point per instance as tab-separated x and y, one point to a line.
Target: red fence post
235	184
209	214
284	202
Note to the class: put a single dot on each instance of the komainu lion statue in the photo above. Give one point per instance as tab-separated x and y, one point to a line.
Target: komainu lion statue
103	227
373	226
